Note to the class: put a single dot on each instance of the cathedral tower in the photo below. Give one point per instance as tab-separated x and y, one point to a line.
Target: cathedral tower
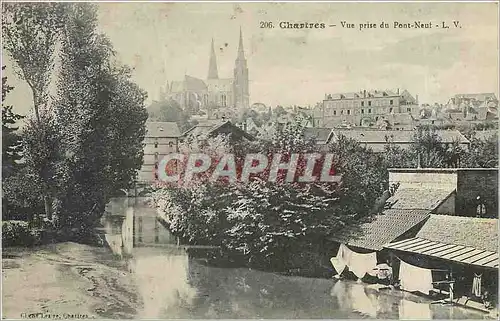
212	67
240	85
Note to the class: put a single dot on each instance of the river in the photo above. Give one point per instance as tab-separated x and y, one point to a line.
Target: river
145	273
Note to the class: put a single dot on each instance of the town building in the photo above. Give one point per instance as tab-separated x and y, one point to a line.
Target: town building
364	108
472	107
378	139
437	233
214	128
219	97
161	139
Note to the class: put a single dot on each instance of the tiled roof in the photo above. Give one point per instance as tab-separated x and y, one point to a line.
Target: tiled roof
317	133
418	198
382	229
206	129
162	129
396	136
445	251
480	233
480	96
361	94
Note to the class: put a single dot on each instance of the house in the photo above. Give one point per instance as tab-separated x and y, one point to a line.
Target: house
437	235
364	108
465	248
377	139
215	128
161	139
460	191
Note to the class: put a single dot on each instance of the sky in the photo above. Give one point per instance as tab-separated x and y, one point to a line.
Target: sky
165	41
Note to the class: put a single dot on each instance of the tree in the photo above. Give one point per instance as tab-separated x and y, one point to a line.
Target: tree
101	119
482	153
269	223
170	111
427	146
30	32
11	141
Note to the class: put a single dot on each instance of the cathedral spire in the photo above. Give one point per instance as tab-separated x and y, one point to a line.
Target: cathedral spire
241	52
212	67
240	84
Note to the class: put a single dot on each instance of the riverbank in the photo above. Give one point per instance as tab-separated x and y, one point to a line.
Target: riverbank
164	282
66	279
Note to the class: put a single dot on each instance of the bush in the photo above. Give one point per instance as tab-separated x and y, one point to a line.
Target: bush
18	233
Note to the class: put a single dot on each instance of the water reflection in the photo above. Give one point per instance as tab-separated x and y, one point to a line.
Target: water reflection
173	283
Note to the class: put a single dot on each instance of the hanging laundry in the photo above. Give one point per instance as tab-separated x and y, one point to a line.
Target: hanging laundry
361	264
414	278
476	285
338	261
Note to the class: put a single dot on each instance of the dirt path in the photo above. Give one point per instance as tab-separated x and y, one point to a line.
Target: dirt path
66	280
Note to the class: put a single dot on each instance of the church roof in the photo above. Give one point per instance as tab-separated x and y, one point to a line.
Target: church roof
194	84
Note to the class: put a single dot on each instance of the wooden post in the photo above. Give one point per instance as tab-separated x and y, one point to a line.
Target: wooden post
451	286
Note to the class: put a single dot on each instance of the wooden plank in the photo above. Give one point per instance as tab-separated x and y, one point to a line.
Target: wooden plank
492	263
401	242
438	249
404	243
422	247
409	247
489	258
453	255
450	250
468	255
478	257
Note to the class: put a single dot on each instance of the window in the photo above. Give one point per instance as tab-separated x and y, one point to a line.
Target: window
224	101
391	102
334	113
342	112
369	103
390	109
369	111
156	156
362	111
170	144
408	110
156	144
362	103
156	165
348	112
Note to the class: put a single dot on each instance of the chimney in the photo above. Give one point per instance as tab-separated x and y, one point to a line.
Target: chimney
398	91
364	93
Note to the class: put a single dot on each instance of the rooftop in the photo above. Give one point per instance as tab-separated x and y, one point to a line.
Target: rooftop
479	233
318	133
162	129
397	136
382	229
419	198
